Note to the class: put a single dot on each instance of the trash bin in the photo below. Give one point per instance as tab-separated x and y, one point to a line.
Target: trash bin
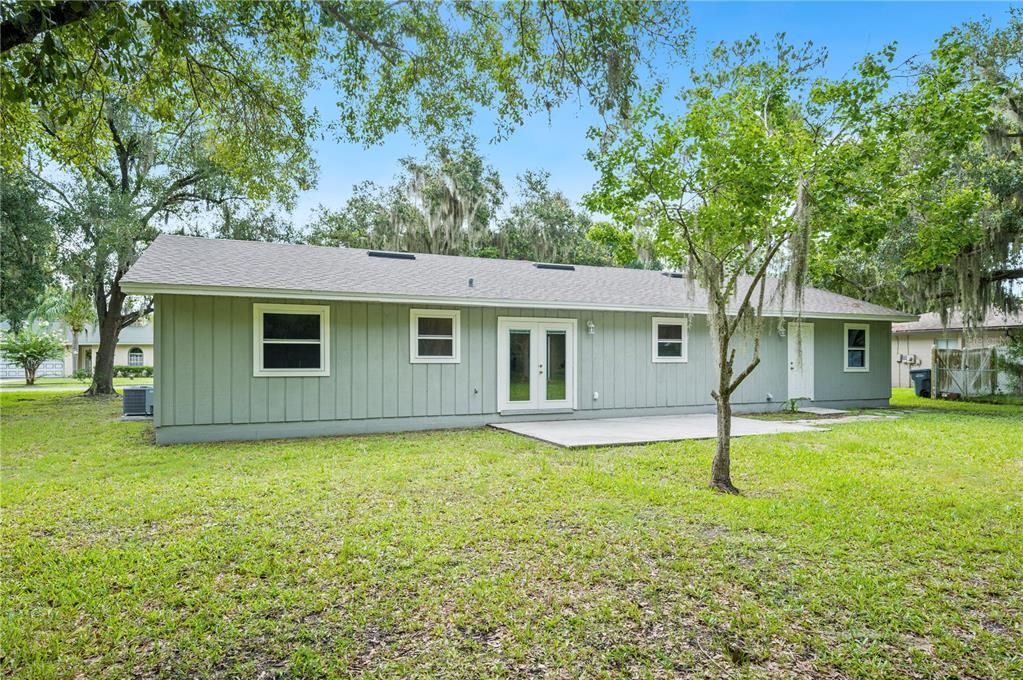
921	381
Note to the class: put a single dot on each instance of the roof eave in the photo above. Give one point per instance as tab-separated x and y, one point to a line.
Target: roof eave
142	288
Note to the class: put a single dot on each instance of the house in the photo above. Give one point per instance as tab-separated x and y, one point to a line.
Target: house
912	342
134	348
257	340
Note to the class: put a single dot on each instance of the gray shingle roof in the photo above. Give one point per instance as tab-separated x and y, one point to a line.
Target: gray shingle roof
182	264
931	322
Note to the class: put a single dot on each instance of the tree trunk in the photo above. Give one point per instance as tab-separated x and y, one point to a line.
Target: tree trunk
109	330
721	471
30	376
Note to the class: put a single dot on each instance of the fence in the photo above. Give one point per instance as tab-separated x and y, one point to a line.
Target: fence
968	372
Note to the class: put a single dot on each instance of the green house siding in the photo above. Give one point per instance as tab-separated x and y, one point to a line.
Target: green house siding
205	387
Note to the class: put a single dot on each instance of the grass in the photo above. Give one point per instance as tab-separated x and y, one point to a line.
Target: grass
878	549
904	397
63	382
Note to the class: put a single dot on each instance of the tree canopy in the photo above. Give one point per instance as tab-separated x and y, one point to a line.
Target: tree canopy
949	234
762	155
27	248
152	111
450	203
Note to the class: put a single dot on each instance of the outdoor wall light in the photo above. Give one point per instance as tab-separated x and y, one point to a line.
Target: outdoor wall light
591	328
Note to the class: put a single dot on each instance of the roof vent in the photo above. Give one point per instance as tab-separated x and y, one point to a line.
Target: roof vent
547	265
673	275
392	256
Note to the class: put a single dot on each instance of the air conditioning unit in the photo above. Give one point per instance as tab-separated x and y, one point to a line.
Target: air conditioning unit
138	401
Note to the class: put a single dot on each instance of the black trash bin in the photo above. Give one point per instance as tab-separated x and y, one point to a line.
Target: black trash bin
921	381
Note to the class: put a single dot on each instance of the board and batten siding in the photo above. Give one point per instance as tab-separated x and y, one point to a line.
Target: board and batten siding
205	388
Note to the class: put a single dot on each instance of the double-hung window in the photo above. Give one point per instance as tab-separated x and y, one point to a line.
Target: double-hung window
291	340
434	336
857	348
135	356
670	340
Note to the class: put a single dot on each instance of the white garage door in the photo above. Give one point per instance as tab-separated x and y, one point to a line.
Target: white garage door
49	369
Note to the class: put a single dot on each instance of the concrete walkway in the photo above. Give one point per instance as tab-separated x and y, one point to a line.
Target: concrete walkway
640	430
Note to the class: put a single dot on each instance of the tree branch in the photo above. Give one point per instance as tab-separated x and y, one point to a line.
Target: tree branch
23	28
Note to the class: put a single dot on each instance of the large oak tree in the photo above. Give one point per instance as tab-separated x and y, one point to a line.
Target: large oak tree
104	93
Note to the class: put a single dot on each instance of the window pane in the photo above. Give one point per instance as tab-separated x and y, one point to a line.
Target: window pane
436	348
857	337
291	326
432	325
669	349
555	366
518	366
669	331
857	358
135	357
286	355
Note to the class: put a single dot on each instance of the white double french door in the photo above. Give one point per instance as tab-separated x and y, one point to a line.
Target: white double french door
535	363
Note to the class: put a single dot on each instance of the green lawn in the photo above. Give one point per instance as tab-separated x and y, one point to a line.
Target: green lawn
61	382
878	549
1003	403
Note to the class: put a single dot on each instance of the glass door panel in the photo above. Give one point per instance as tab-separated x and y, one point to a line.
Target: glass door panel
519	365
554	366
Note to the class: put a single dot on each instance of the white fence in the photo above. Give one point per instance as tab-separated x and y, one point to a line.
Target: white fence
967	372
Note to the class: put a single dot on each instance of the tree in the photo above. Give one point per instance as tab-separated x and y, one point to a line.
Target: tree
26	248
420	66
74	308
740	180
154	173
543	226
445	204
29	349
950	235
214	91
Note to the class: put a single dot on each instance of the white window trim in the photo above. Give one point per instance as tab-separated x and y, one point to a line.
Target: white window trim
456	335
670	321
866	347
141	354
260	308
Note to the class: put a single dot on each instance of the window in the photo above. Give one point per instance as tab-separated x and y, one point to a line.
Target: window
671	340
434	336
135	356
857	347
946	343
291	340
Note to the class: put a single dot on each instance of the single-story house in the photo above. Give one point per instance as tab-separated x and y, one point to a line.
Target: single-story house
134	348
258	340
913	341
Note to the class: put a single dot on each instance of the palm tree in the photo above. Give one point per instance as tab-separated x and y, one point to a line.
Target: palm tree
73	308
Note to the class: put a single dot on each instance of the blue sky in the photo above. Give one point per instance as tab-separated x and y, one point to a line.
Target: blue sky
848	30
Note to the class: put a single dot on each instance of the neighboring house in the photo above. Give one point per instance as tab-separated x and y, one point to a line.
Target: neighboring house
912	342
134	348
260	340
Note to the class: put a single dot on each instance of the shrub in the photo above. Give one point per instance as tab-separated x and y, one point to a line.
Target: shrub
82	375
29	349
121	371
1010	361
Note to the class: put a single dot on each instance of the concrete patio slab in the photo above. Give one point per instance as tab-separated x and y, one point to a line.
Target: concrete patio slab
644	429
821	411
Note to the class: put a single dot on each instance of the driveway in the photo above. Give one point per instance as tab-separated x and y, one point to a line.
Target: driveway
640	430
